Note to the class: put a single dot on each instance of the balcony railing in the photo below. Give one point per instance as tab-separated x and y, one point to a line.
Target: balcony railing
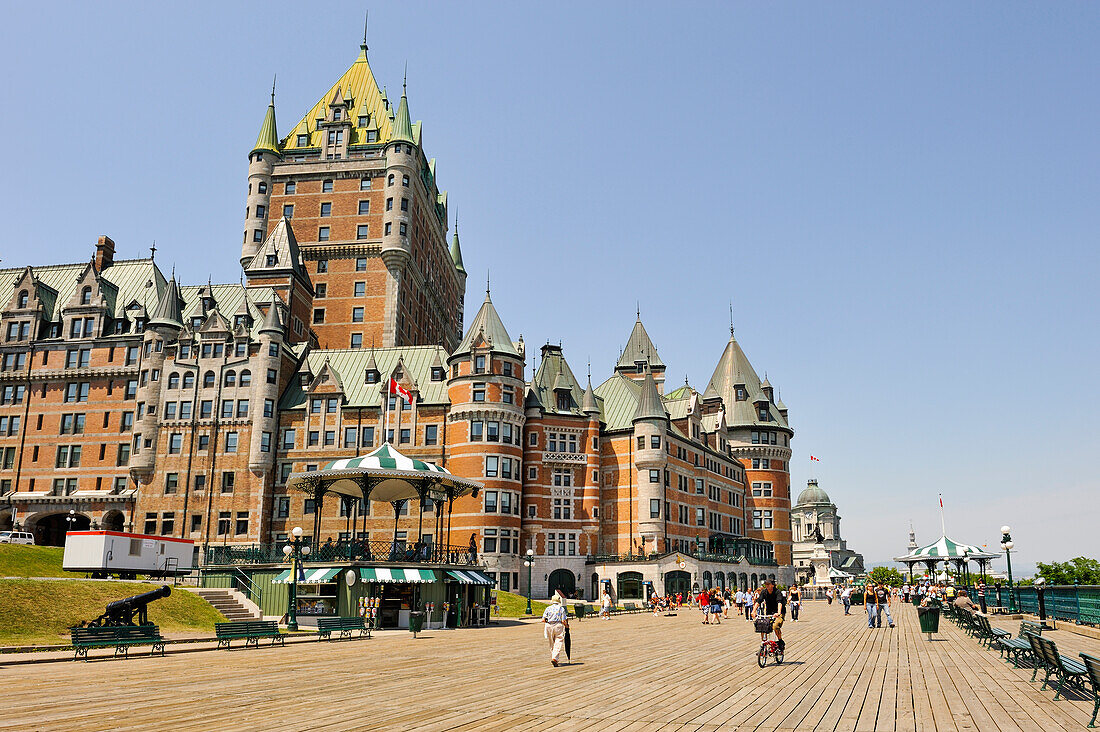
702	556
344	551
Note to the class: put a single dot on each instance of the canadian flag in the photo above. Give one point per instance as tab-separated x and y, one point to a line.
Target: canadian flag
399	390
814	459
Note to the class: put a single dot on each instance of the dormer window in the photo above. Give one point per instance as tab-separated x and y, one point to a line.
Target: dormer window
24	297
196	322
764	417
86	296
363	119
303	140
563	401
639	366
372	136
438	373
741	396
272	260
371	376
479	364
336	114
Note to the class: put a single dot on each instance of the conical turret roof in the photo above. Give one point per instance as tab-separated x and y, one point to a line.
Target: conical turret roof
268	138
169	312
588	402
734	369
639	348
456	252
486	328
402	125
273	323
650	404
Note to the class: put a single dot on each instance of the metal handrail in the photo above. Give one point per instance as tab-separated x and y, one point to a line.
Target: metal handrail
378	551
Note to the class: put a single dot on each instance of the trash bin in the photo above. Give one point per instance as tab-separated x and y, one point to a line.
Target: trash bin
416	622
580	610
916	600
929	619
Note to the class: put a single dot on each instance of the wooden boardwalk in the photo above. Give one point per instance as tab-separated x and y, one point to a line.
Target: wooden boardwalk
635	672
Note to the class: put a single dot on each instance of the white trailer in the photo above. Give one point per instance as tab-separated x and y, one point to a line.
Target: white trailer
114	552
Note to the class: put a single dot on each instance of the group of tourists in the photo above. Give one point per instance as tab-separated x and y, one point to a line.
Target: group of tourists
946	592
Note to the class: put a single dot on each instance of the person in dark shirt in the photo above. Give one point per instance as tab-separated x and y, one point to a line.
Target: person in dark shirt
772	602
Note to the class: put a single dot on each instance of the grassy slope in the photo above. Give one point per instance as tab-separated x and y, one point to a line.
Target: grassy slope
18	560
41	611
513	606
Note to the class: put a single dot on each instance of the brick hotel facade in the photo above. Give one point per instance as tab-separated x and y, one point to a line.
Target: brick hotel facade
143	405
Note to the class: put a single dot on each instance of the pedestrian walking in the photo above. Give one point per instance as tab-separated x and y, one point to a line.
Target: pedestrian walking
981	595
716	606
555	621
727	600
882	600
829	595
605	605
870	603
794	601
846	600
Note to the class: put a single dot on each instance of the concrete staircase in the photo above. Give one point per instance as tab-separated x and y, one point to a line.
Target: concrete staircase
227	602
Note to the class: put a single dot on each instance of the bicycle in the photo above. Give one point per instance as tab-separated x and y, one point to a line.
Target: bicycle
768	647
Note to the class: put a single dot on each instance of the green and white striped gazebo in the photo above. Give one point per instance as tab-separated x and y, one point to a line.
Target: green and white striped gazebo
384	476
946	549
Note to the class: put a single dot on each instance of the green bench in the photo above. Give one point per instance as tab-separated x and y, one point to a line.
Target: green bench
344	626
1013	649
1092	667
1067	670
119	637
251	631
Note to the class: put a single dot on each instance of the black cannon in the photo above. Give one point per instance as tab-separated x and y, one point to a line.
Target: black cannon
121	612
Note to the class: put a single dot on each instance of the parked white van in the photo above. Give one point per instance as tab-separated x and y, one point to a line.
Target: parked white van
16	537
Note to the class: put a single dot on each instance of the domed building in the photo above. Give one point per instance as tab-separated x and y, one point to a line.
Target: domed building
814	519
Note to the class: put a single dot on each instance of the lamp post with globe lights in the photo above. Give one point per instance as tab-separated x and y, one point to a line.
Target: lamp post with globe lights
527	562
294	552
1006	544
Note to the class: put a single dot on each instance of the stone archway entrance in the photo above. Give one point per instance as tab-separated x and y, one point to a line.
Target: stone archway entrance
114	521
678	581
561	579
49	530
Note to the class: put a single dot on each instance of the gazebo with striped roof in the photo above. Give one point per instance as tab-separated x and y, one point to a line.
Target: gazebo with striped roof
946	549
384	476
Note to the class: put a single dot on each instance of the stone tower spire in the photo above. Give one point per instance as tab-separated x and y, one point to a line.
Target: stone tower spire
261	164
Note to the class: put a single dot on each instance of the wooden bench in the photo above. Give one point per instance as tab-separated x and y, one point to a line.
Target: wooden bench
986	633
249	630
344	626
1092	667
1067	670
119	637
1013	649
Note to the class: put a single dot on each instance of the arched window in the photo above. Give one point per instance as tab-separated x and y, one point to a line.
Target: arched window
230	378
24	297
389	181
246	378
86	296
188	381
707	583
173	380
208	379
261	188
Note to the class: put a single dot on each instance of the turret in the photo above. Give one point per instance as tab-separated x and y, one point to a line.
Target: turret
650	458
164	327
261	164
265	394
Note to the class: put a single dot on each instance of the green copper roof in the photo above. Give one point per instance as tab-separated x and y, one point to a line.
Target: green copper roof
650	404
169	310
553	374
456	252
734	369
352	364
639	347
268	138
486	329
402	126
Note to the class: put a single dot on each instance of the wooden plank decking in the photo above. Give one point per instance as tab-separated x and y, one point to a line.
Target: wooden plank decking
633	673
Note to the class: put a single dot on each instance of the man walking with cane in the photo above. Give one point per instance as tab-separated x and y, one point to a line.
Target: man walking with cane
555	623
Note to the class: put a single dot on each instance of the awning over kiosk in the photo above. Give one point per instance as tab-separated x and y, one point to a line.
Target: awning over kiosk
323	574
468	577
394	574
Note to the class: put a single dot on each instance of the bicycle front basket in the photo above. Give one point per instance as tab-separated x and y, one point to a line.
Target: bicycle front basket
764	625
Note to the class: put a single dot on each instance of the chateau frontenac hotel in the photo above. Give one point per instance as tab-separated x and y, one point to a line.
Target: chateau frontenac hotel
131	402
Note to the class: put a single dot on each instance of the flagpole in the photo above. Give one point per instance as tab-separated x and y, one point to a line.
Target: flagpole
386	407
943	526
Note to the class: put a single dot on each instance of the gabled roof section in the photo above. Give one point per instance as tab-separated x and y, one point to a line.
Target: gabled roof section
486	330
130	280
359	82
619	398
734	368
283	246
415	361
328	379
554	374
639	348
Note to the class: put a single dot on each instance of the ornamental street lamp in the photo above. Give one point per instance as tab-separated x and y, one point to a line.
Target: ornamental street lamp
527	563
294	551
1006	544
70	521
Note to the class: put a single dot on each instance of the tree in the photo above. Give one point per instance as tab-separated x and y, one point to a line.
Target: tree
1079	570
887	576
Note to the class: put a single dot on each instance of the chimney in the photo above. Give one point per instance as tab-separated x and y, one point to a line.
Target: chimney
104	253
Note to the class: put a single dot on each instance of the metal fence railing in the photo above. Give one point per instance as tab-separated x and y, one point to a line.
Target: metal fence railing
1072	603
376	551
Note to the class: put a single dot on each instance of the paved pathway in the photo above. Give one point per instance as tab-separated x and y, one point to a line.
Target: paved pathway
636	672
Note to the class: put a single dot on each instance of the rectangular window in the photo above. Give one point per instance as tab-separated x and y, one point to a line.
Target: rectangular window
490	501
479	392
318	315
356	340
322	233
430	434
492	466
655	508
171	482
356	315
654	476
326	209
476	431
229	480
230	441
364	183
367	437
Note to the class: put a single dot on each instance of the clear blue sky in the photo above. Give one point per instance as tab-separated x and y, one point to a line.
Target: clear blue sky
901	203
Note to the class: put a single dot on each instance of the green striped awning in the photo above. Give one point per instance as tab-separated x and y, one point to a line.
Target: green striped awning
323	574
388	458
468	577
397	574
945	548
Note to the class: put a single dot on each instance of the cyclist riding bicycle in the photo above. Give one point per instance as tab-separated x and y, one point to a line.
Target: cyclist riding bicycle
772	602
